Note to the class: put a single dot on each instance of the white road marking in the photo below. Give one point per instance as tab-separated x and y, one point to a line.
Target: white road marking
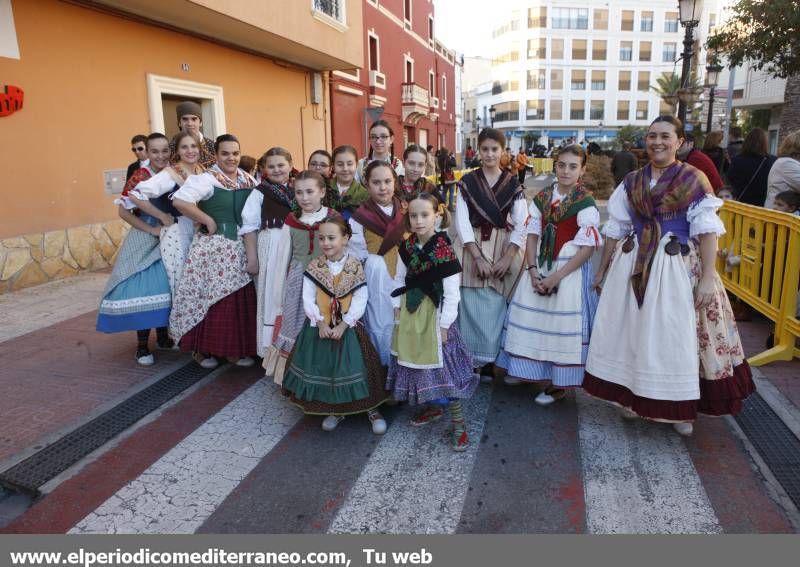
638	476
414	482
179	491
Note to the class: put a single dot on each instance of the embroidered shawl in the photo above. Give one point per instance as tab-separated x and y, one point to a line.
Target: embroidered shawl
577	199
372	217
351	199
489	206
294	222
427	266
243	179
336	287
407	191
278	202
138	176
678	187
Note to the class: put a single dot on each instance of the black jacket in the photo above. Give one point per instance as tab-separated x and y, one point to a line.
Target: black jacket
743	168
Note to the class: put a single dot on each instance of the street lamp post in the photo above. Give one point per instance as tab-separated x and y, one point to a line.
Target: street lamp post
492	113
690	12
712	76
600	126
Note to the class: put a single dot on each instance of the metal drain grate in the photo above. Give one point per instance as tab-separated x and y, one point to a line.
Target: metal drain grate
775	442
30	474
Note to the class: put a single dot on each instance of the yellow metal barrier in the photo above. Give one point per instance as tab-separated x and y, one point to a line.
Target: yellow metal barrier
541	165
768	273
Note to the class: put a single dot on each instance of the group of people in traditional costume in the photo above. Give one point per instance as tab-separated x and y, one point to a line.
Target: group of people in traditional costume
357	287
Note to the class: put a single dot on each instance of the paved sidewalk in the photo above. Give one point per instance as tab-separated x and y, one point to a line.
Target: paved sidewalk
57	371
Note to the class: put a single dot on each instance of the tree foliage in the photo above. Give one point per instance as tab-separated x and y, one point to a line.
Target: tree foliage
764	33
630	133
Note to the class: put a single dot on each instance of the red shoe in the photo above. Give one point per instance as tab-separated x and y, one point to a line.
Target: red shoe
460	440
431	414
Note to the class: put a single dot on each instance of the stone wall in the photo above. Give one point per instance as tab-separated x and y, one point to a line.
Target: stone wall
37	258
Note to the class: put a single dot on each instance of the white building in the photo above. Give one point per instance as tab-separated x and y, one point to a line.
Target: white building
582	69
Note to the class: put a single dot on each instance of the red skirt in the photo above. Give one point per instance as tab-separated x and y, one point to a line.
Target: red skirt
717	397
228	329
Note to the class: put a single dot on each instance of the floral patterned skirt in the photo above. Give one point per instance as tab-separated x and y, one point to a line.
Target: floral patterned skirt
641	357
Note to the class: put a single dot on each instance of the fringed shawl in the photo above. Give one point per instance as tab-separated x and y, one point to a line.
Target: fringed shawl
577	199
489	206
426	266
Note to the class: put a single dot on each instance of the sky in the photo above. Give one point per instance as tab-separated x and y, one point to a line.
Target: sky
466	25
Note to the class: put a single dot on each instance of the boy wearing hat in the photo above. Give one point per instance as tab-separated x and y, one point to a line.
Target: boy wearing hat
190	120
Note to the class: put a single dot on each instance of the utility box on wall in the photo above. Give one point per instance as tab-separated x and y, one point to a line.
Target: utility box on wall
114	181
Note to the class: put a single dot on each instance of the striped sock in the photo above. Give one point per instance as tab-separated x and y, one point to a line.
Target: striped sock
456	416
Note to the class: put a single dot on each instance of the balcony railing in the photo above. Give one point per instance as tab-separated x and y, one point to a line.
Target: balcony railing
416	95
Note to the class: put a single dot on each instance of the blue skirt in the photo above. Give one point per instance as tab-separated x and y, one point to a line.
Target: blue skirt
142	301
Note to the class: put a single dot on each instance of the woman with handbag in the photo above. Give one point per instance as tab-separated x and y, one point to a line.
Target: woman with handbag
749	170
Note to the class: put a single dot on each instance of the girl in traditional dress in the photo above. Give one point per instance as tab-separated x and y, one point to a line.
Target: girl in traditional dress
297	247
430	363
154	197
263	216
333	369
490	223
378	226
320	161
345	193
214	311
663	303
413	182
137	296
549	322
381	148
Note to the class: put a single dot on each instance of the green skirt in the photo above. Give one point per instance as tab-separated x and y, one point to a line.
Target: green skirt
327	377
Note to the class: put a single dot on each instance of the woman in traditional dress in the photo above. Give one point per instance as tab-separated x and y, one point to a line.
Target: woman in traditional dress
430	364
263	216
333	369
663	303
378	226
549	323
345	193
214	311
381	148
137	296
154	197
413	182
297	246
490	223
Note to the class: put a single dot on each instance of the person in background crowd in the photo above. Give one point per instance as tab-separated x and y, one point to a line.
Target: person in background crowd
522	164
137	296
664	345
430	164
785	172
445	163
623	163
725	193
469	155
694	157
735	142
711	147
190	119
749	170
320	161
139	148
787	202
248	165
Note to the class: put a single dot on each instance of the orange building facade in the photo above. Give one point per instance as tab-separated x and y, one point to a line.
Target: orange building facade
81	78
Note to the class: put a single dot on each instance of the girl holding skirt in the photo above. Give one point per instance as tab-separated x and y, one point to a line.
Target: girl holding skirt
490	223
214	312
665	345
137	296
333	369
154	197
429	364
549	322
297	246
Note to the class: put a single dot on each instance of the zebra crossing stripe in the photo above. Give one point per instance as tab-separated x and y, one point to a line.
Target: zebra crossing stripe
414	482
638	476
180	490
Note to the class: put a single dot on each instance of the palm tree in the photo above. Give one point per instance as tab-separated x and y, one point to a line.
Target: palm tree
668	85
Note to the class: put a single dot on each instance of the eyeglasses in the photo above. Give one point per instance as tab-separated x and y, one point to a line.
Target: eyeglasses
319	164
140	149
382	138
